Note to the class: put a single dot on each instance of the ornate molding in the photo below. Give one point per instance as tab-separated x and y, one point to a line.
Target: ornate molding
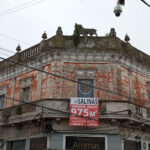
87	72
26	82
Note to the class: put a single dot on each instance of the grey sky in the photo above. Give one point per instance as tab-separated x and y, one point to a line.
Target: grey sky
28	24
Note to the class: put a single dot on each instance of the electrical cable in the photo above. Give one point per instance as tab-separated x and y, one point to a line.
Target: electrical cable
3	14
12	38
145	3
68	79
62	77
6	50
51	109
7	10
116	112
42	71
67	113
60	67
60	111
140	118
89	129
7	55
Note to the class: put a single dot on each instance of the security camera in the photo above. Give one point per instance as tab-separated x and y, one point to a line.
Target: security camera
118	10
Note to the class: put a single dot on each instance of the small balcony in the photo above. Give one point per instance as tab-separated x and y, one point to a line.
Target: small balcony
34	110
124	110
59	108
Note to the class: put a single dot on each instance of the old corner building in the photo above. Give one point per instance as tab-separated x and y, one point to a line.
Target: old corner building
76	93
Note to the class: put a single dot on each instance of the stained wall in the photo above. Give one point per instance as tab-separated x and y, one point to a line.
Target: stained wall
111	82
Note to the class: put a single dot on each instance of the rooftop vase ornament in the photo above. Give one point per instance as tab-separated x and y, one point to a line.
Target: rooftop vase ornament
44	36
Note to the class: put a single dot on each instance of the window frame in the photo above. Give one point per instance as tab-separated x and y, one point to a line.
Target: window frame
10	144
148	89
26	83
23	94
3	95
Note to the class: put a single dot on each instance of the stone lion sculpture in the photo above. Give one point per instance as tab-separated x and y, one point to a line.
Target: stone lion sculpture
85	32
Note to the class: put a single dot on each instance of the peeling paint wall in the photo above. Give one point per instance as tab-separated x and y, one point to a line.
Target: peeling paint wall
115	78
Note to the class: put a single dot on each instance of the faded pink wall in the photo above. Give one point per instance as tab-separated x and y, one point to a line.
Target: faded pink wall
108	76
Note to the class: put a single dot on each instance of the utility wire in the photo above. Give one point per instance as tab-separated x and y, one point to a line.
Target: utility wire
7	10
68	113
66	71
62	77
21	8
51	109
56	111
12	38
6	50
145	3
7	55
65	78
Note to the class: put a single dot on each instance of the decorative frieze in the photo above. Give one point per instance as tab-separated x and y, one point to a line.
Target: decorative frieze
26	82
88	72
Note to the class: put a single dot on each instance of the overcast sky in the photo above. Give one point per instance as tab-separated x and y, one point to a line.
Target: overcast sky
28	24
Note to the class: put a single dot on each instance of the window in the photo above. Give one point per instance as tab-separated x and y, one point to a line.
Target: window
138	110
38	143
25	89
130	145
83	89
16	145
2	98
148	89
26	94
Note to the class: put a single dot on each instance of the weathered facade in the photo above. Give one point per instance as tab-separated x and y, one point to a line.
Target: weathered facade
35	100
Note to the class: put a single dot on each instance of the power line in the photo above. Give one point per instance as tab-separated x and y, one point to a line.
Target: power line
6	50
12	38
65	78
21	8
7	10
145	3
103	84
5	54
58	111
68	113
51	109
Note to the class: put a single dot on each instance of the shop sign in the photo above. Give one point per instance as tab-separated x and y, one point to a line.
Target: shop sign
84	112
85	143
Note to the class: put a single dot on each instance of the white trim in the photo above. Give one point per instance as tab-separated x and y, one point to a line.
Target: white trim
122	144
48	141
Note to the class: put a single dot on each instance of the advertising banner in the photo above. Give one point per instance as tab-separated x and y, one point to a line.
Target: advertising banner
84	112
